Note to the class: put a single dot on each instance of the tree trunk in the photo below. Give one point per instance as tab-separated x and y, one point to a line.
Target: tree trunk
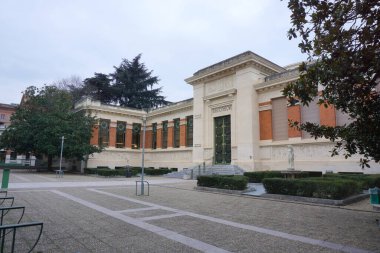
50	162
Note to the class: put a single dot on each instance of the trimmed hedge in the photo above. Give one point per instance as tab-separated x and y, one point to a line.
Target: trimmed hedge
223	182
316	188
108	172
258	176
156	172
365	181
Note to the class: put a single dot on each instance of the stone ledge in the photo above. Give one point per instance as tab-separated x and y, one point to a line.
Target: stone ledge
334	202
217	190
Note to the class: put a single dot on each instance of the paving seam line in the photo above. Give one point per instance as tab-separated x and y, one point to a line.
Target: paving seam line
303	239
137	209
164	216
172	235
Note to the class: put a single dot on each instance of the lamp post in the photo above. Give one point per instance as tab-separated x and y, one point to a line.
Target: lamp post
142	157
60	160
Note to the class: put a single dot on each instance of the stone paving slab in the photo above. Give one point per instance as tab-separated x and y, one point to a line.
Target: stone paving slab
234	239
92	221
318	222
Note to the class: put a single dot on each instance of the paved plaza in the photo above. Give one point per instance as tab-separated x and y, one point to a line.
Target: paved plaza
97	214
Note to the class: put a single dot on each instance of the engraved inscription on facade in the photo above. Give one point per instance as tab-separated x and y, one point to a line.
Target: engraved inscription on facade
219	85
224	108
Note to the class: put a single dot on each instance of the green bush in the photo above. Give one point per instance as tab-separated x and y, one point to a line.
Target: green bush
173	169
103	167
90	171
365	181
107	172
258	176
223	182
317	188
156	172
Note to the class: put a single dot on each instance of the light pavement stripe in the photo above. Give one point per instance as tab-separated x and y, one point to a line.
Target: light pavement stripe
24	179
137	210
63	184
46	178
164	216
298	238
193	243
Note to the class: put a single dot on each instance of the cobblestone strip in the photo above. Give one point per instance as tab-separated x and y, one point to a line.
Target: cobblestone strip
303	239
193	243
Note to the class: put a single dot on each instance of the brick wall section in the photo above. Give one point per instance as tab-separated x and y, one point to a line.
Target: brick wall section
112	137
95	136
294	114
128	141
148	139
265	118
182	135
159	137
170	136
327	116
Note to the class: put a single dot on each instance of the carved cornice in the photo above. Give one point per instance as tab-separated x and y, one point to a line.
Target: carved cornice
231	65
277	81
185	105
229	92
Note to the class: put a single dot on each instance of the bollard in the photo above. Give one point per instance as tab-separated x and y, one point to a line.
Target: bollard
374	194
5	181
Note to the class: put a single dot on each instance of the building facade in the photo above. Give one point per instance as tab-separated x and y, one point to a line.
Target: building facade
237	116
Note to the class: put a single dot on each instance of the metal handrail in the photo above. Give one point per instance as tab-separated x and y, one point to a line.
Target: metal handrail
2	200
13	228
139	181
5	210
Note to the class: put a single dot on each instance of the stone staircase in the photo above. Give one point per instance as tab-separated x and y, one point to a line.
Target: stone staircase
195	171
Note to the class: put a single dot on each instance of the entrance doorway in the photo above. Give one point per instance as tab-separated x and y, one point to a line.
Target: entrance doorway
222	139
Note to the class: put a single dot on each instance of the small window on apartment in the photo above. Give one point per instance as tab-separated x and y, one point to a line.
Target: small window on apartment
120	134
164	134
189	131
176	133
136	132
154	135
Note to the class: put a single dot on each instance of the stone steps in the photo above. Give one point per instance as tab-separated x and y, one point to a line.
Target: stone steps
195	171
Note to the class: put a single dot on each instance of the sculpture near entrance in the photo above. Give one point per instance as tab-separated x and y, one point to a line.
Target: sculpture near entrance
290	157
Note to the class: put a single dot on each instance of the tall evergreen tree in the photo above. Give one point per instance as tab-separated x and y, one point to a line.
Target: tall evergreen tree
99	88
133	85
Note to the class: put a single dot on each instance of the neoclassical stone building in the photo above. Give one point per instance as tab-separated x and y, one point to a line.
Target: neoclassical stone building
237	116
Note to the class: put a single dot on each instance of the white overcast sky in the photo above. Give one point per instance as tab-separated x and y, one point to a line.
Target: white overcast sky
42	41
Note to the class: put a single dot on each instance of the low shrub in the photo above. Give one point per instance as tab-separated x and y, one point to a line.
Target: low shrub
223	182
173	169
103	167
108	172
365	181
258	176
316	188
156	172
90	170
